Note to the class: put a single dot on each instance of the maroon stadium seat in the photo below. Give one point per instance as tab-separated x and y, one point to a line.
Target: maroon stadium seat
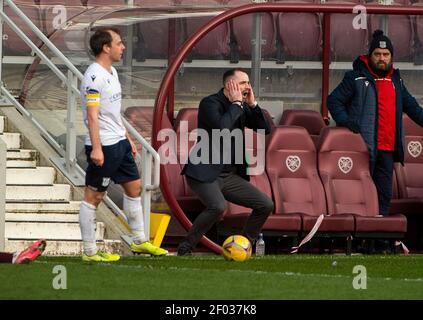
408	198
242	34
299	34
13	44
417	22
63	2
102	3
152	39
55	16
406	206
410	176
344	168
346	41
288	205
141	118
155	3
189	115
186	120
152	35
149	31
311	120
269	119
291	165
215	44
186	124
171	170
50	13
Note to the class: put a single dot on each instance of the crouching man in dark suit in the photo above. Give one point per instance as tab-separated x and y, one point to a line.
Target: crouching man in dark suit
221	172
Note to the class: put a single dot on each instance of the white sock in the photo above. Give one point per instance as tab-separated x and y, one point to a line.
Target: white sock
15	255
133	210
88	227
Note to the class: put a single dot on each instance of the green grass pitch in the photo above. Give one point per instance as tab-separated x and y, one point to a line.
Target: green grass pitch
211	277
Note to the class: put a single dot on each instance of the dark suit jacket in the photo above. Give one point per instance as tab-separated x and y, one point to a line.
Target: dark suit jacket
217	112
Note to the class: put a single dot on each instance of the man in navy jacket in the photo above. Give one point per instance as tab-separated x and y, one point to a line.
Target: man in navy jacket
223	173
370	101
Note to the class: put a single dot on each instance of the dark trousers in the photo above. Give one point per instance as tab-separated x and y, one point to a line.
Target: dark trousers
382	177
231	187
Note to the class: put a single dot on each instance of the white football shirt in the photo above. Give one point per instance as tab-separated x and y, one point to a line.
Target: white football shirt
102	89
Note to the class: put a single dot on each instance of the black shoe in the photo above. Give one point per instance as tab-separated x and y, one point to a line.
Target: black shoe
184	250
382	247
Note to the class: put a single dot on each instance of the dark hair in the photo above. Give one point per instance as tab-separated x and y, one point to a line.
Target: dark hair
230	73
101	37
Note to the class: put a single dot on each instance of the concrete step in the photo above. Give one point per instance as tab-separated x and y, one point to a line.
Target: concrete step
41	217
30	176
54	193
48	230
21	164
70	207
64	248
22	158
2	124
12	140
22	154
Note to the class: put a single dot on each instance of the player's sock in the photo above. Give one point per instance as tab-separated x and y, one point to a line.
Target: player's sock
6	257
133	210
88	226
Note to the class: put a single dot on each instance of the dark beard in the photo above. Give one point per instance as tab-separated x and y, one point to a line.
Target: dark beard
380	72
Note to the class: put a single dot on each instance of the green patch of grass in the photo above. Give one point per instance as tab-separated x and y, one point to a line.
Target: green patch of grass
211	277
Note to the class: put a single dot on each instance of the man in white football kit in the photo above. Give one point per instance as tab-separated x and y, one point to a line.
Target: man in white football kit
109	149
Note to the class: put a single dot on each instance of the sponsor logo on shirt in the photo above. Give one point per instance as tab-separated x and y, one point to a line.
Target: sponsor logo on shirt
115	97
93	98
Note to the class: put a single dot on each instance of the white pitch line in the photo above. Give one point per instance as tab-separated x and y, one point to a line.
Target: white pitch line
252	272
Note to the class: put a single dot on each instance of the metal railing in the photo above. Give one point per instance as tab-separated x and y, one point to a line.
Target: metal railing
149	157
3	161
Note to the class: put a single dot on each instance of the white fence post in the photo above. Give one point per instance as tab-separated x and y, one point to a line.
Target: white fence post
3	159
70	125
146	192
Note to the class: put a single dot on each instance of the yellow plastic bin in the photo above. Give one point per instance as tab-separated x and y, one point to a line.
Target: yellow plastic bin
158	226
